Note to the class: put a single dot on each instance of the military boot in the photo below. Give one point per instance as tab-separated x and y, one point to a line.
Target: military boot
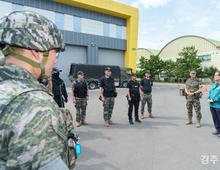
198	124
78	124
150	115
189	121
84	122
111	122
106	123
142	115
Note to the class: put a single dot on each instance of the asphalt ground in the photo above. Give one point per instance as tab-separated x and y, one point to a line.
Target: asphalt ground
160	143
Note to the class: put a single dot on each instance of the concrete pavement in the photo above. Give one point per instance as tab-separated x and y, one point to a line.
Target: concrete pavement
162	143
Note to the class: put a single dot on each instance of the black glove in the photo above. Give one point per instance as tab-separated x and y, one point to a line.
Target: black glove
66	100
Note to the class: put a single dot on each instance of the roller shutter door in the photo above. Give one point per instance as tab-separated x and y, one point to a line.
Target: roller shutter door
111	57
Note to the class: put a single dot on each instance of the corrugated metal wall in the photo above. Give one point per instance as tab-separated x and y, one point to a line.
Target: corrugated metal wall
71	10
176	46
143	52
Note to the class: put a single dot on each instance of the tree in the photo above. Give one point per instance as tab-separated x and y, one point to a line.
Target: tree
170	68
188	61
209	72
154	64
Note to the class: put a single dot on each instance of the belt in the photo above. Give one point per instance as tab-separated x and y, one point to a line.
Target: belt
147	93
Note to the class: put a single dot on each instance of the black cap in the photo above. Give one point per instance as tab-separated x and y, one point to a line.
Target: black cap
133	74
192	71
108	69
56	69
80	73
147	71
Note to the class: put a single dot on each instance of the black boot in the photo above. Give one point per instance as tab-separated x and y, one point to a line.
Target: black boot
137	120
131	122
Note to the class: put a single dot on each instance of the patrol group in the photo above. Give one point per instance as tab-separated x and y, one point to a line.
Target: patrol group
136	93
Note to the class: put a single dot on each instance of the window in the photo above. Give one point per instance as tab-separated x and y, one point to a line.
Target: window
17	7
76	24
106	29
138	65
205	58
59	20
162	75
118	31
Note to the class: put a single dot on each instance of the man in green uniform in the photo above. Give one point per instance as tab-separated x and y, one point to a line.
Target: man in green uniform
193	90
146	97
33	131
80	96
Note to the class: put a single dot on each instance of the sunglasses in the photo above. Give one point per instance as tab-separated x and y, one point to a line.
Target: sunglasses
58	52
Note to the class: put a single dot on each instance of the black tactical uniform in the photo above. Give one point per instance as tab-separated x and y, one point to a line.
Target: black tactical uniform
59	89
135	99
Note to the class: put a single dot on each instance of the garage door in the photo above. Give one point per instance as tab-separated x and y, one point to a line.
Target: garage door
111	57
73	54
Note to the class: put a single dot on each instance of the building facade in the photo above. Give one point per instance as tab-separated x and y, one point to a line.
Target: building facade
95	31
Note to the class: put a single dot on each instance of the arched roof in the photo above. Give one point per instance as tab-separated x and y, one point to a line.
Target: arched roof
152	51
175	46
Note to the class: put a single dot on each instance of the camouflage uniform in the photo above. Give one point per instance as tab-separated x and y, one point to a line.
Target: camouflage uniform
192	86
108	106
31	124
81	103
33	131
146	97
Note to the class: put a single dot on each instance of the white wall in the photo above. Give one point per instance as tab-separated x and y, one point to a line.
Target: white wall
49	14
5	8
68	22
89	26
124	33
112	30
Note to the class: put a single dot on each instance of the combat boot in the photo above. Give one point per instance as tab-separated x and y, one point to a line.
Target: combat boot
78	124
111	122
189	121
142	115
84	122
106	123
198	124
150	115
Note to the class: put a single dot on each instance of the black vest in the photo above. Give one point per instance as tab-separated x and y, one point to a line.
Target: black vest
80	89
109	85
135	88
58	87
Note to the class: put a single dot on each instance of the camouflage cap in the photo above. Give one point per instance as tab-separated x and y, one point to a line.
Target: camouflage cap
30	30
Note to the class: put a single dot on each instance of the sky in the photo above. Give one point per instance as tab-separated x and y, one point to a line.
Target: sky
161	21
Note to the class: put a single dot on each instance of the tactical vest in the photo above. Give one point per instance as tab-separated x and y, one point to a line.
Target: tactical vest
109	85
57	84
134	88
80	90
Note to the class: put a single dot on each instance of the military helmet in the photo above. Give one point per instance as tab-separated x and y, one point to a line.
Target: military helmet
30	30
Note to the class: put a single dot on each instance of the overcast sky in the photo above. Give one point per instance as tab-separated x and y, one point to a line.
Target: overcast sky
161	21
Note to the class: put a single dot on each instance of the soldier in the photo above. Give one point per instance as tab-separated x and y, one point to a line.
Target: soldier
58	88
107	84
80	96
193	89
133	93
146	88
33	131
